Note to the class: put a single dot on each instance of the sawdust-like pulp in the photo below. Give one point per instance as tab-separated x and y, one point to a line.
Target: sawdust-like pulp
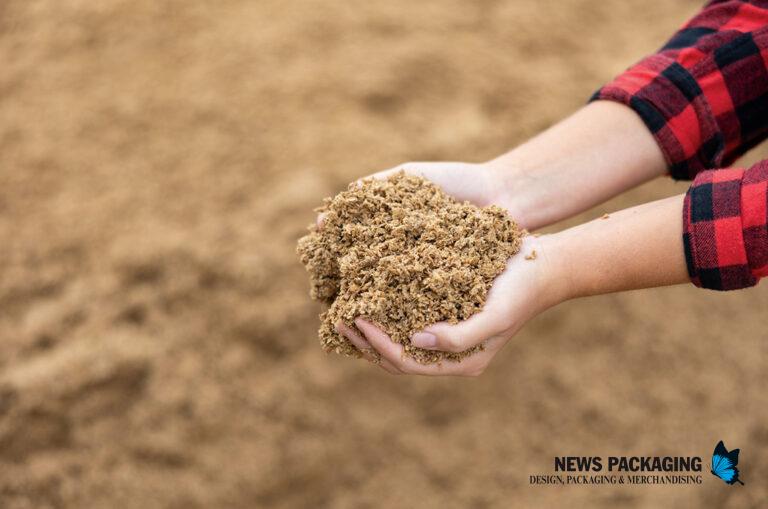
403	254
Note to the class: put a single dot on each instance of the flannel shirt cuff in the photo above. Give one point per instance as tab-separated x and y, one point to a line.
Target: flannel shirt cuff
718	236
672	105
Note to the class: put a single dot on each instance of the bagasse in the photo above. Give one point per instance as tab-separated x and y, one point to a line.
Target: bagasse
403	254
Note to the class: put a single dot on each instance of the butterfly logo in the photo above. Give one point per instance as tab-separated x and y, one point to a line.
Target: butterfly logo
724	464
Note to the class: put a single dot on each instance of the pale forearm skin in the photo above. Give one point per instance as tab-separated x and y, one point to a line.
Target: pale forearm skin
639	247
595	154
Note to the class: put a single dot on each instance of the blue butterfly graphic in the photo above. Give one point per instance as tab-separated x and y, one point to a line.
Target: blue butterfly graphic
724	464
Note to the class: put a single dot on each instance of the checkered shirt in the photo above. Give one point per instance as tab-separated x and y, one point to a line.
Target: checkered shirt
704	96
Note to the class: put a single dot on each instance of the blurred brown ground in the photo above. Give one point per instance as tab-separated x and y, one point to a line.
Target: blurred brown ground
157	344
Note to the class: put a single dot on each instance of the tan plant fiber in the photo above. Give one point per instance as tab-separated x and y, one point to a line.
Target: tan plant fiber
403	254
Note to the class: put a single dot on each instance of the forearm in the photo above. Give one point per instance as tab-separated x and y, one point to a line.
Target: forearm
640	247
598	152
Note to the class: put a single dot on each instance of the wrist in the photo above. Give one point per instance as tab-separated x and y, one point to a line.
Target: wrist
510	187
527	194
558	283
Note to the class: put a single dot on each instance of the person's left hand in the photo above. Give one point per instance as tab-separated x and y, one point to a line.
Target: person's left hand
528	286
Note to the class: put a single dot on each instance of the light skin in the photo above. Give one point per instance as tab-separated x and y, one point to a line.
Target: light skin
591	156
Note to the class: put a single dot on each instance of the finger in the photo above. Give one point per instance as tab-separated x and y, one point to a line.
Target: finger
381	175
415	169
409	168
463	181
368	352
388	367
395	354
356	339
458	337
385	174
420	169
470	366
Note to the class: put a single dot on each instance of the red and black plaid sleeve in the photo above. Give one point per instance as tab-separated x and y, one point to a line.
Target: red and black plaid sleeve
725	227
704	96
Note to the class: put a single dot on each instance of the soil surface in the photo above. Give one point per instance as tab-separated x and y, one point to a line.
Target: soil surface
158	348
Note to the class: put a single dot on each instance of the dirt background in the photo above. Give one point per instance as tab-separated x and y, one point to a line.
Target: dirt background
157	344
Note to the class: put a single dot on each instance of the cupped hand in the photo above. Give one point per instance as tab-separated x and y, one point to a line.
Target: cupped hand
528	286
520	292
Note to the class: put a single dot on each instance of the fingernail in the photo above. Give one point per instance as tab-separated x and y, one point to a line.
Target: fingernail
424	340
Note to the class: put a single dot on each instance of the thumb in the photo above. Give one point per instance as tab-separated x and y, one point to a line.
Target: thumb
458	337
